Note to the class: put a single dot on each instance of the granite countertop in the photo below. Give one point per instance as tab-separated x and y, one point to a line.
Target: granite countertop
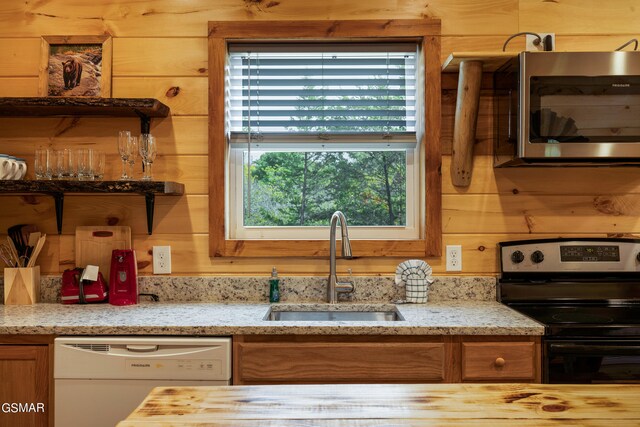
455	317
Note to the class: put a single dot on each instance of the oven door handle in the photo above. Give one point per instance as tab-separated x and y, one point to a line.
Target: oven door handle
595	349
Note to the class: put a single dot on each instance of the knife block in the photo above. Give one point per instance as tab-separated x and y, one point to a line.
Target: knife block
22	285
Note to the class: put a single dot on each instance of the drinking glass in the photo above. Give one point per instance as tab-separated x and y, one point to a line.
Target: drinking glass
133	155
148	151
97	163
85	164
65	168
42	164
124	147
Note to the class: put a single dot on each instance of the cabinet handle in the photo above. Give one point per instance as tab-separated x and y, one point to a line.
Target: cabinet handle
500	362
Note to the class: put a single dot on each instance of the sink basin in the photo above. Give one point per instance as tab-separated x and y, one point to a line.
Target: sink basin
334	316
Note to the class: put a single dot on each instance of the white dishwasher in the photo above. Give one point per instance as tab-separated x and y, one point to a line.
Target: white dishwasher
99	381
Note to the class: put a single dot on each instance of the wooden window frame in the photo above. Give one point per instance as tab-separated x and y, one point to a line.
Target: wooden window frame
426	32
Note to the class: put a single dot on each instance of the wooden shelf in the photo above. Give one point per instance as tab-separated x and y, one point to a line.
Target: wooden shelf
491	61
144	108
58	188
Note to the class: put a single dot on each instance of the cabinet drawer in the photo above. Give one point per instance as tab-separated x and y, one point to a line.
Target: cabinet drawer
339	361
498	361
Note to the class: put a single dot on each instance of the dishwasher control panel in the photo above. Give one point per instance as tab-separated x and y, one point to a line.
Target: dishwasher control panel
160	358
209	366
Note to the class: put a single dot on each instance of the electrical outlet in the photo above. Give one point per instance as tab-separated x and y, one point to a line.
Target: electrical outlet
162	260
531	40
454	257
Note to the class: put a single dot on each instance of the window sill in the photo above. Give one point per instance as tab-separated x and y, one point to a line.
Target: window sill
320	248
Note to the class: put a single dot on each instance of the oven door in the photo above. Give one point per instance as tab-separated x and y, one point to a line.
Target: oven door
592	361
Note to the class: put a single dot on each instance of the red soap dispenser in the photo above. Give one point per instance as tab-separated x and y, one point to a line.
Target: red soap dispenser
123	280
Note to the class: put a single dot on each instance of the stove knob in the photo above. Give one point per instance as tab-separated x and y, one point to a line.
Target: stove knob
537	257
517	257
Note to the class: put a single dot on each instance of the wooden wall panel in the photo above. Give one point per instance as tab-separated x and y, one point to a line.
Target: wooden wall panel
177	135
160	51
160	56
189	256
580	16
173	215
20	57
188	18
184	95
539	181
19	86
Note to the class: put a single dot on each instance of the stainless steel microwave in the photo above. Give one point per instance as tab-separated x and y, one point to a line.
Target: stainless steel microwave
568	109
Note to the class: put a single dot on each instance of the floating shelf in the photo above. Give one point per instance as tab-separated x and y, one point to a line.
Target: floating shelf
144	108
491	61
58	188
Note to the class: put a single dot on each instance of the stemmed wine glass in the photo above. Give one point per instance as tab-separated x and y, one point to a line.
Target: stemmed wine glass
148	151
133	155
124	138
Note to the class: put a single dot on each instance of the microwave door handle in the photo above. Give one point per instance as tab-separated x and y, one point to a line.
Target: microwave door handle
595	349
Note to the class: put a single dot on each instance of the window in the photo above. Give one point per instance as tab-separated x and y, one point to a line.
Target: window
317	128
307	118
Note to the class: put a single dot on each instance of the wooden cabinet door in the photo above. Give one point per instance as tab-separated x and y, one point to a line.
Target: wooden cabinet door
340	359
24	380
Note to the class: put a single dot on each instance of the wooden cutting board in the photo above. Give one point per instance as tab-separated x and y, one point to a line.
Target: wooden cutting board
94	245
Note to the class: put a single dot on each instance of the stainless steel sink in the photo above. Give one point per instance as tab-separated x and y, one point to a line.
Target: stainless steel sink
334	316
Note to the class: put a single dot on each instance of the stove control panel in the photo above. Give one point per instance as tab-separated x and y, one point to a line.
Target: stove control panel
566	255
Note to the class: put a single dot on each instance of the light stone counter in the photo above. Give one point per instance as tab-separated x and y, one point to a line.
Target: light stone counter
460	317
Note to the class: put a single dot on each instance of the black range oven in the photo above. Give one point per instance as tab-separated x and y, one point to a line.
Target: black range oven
587	294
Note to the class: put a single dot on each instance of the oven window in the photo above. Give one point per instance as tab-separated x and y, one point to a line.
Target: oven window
584	109
592	363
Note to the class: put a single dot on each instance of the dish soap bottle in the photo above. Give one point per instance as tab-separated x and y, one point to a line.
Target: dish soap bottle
274	291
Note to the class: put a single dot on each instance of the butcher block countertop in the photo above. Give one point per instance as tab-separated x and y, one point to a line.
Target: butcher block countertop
437	318
390	405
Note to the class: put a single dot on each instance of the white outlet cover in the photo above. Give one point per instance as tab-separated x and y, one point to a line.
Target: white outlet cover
162	260
454	257
530	47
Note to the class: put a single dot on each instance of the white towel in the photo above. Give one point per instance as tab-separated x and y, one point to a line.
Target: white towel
415	275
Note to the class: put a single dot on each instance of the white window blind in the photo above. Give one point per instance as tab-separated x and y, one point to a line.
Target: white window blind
315	96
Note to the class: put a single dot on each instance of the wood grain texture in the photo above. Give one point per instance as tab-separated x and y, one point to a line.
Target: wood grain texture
190	257
184	56
160	45
278	360
432	147
579	17
466	118
422	404
19	86
184	95
178	135
499	361
20	57
166	18
25	374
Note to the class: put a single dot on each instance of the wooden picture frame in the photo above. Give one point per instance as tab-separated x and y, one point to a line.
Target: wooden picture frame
70	66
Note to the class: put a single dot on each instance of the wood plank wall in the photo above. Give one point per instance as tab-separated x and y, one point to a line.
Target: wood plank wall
160	50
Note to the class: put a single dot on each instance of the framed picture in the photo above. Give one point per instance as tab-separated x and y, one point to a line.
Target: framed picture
75	66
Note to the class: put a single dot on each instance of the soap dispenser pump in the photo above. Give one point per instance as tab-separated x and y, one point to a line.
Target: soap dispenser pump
274	290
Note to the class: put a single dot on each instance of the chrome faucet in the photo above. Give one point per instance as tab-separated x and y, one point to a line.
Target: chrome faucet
334	286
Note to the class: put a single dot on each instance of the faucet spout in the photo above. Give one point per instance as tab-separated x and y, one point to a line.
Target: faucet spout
334	286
